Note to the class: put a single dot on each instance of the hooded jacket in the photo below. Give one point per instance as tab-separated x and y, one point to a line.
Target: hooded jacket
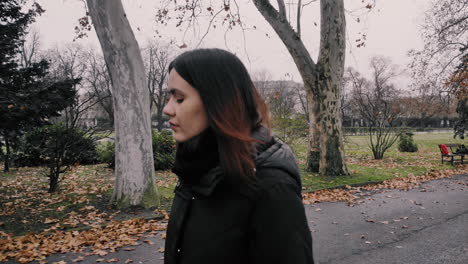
211	222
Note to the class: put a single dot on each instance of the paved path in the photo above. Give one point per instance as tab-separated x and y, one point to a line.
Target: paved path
421	226
425	225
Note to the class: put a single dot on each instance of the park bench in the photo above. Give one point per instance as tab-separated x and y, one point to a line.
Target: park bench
452	151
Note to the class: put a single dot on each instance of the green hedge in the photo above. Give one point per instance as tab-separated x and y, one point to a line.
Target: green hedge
361	131
164	149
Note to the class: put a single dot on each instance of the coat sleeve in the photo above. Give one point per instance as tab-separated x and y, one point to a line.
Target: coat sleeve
279	232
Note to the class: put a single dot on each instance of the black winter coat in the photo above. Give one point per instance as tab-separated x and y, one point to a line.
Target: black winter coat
213	223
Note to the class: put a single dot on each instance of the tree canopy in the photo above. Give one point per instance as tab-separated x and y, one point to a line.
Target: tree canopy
28	96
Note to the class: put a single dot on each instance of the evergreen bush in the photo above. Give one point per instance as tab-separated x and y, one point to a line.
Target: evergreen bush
43	144
407	143
163	151
106	152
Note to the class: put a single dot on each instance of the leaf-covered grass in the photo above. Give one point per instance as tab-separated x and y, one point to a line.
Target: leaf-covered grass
166	182
26	206
80	213
83	201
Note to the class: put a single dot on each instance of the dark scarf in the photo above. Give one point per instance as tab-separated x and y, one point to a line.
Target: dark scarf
196	157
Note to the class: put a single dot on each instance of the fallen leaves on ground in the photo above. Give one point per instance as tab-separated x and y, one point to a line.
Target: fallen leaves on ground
351	194
332	195
412	181
24	197
77	219
35	247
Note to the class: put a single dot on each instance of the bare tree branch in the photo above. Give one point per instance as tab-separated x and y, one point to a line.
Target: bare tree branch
282	9
298	23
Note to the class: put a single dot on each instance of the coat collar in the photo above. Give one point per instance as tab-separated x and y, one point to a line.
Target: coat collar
208	182
214	177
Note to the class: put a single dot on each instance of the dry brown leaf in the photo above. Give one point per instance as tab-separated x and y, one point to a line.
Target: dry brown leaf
79	259
149	242
50	220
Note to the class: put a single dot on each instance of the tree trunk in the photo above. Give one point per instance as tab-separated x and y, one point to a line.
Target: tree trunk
322	81
53	181
6	168
159	119
134	168
313	157
329	125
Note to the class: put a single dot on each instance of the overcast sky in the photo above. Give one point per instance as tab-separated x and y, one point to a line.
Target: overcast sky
392	29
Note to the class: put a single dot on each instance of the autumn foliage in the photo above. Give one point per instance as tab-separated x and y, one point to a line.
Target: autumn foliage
351	195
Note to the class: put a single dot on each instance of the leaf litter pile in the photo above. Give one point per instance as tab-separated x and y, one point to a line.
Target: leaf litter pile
35	224
352	194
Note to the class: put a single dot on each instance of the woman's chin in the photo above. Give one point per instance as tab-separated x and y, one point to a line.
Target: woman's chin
179	138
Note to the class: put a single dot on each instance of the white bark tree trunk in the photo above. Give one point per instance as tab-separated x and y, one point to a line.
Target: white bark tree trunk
134	167
323	81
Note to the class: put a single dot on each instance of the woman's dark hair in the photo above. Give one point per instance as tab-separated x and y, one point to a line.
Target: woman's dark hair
233	106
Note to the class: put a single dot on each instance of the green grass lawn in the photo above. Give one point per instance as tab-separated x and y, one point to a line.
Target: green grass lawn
364	168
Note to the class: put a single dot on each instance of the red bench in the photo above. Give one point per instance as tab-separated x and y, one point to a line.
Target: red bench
451	151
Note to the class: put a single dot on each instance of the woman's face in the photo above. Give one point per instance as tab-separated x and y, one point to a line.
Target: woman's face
187	115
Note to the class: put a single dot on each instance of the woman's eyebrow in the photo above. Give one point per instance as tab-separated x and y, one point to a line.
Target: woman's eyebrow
175	91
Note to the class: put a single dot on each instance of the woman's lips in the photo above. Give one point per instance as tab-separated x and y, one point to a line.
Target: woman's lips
173	126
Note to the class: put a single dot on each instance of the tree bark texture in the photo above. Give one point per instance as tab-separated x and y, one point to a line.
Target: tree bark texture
322	81
53	181
6	167
134	165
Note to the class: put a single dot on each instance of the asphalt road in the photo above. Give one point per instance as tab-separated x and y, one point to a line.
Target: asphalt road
421	226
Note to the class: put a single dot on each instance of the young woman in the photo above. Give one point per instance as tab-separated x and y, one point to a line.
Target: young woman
238	199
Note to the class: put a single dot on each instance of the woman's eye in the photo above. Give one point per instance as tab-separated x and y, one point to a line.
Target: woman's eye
179	100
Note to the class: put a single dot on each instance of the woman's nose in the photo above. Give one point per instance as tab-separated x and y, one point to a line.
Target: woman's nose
168	109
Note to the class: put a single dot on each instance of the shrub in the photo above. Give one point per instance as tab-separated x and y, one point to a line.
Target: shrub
38	146
163	150
106	152
20	159
407	143
58	147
